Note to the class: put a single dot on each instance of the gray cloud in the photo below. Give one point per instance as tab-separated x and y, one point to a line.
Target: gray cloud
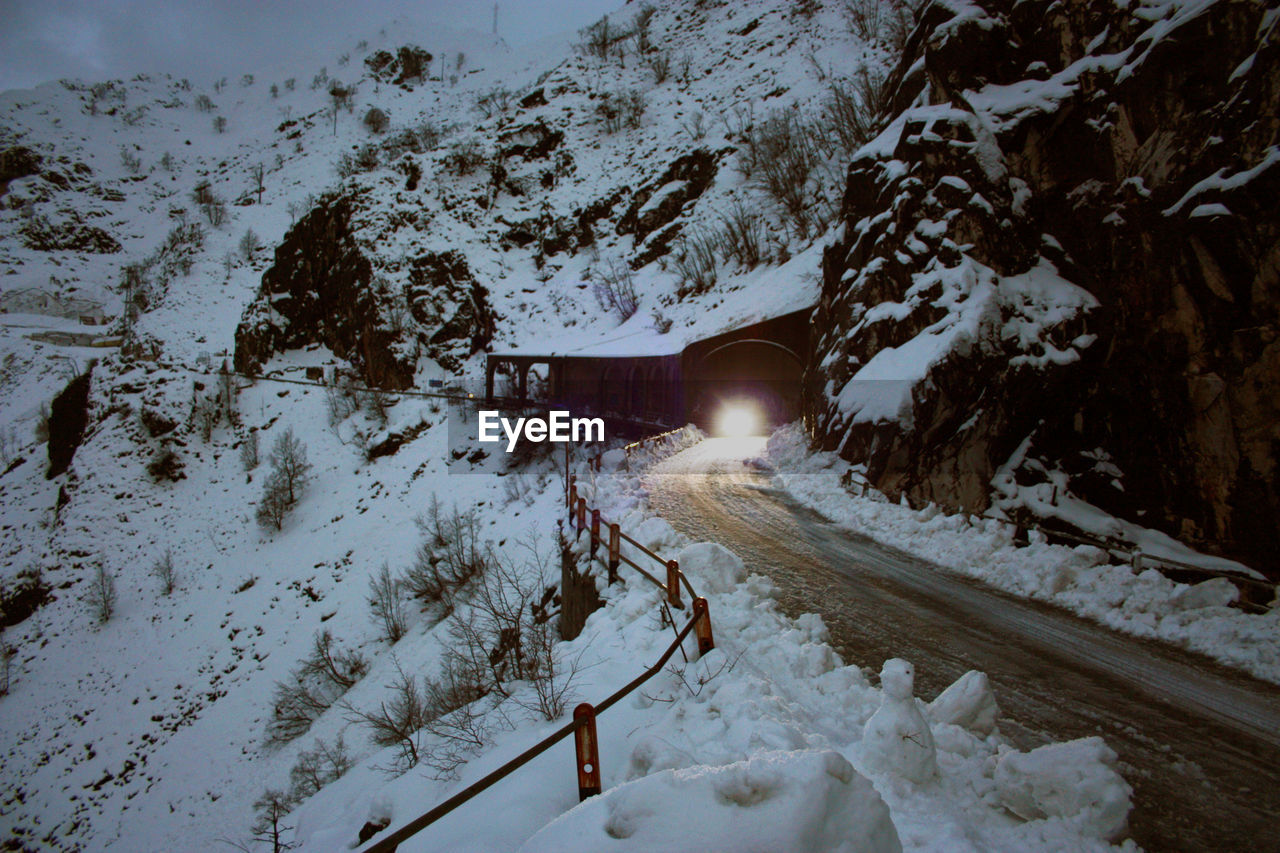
44	40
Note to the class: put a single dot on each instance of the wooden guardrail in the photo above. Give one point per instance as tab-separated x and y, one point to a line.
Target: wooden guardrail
583	724
579	512
587	752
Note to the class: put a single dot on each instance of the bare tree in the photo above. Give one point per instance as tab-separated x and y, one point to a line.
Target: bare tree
289	460
7	654
268	827
258	173
274	505
249	451
385	605
165	573
102	594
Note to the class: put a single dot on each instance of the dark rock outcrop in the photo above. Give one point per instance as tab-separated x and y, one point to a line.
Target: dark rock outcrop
44	235
1131	351
661	200
68	418
443	295
18	162
409	63
320	290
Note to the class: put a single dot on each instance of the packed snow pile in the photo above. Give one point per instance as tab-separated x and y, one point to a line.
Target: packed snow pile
807	802
1081	578
1076	781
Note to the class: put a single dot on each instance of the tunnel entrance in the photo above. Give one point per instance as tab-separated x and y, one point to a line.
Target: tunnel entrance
761	375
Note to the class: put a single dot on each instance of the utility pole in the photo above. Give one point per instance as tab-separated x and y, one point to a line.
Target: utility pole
495	19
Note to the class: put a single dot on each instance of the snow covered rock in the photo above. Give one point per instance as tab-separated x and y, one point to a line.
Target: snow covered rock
716	568
897	738
968	703
1215	592
794	801
1075	780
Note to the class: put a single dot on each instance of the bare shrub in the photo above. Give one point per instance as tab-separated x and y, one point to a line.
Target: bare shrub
166	465
101	596
204	103
782	155
165	573
696	262
258	174
464	156
449	555
131	162
615	289
318	766
318	681
397	722
694	126
597	39
9	445
507	636
621	109
455	718
376	120
851	108
744	235
384	604
496	101
887	21
660	65
249	453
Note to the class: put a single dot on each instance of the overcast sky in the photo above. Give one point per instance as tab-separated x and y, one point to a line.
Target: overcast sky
42	40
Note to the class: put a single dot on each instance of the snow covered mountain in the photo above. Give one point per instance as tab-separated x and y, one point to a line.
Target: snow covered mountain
197	658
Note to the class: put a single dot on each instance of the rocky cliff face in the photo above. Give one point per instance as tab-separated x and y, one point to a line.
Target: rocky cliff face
323	289
1060	267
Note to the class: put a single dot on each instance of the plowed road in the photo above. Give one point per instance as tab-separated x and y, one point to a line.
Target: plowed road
1200	743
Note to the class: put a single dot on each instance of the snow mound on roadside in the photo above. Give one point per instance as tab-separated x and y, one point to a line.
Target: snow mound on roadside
1075	780
794	801
969	703
714	567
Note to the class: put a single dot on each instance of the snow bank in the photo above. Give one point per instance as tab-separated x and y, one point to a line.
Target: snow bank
1080	579
805	802
711	567
1076	780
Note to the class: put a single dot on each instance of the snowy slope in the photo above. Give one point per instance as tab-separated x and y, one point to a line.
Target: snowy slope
147	731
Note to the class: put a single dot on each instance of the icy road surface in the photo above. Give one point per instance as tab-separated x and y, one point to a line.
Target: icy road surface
1199	743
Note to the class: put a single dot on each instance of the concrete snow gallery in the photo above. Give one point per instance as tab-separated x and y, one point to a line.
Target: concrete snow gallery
558	427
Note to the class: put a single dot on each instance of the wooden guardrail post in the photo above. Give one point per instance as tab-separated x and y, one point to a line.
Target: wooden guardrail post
595	532
706	642
615	551
587	750
673	584
1135	559
582	515
573	495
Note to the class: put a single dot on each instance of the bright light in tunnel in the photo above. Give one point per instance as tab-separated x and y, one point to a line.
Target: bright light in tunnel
739	419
